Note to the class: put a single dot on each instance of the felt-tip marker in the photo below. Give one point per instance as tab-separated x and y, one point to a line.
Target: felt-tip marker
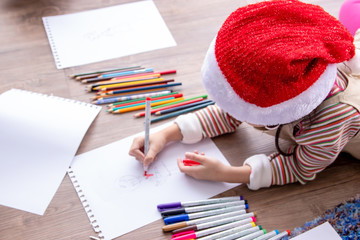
205	225
253	235
147	130
280	235
268	235
232	233
193	235
201	208
186	217
166	206
190	223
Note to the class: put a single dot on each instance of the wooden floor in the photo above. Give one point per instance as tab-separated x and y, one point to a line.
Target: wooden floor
26	62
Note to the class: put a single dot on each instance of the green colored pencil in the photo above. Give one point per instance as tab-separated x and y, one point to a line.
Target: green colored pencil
177	113
168	104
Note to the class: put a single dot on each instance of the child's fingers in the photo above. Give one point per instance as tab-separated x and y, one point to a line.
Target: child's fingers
185	169
149	158
196	157
136	149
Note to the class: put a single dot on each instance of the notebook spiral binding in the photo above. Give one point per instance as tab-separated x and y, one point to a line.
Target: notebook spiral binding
85	204
57	98
52	43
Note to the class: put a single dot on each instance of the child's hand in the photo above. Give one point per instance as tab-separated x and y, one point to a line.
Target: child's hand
208	169
157	141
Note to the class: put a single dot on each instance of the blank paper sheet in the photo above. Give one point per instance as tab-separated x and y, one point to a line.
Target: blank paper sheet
39	136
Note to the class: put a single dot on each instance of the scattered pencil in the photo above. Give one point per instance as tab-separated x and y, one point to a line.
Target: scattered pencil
126	89
130	97
177	113
139	107
97	73
180	107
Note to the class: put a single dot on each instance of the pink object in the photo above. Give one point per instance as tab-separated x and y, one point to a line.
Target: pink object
184	235
349	15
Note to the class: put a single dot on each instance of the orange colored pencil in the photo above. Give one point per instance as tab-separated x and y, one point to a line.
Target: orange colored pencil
110	92
135	84
126	79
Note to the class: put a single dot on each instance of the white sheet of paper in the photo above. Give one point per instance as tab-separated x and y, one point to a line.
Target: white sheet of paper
121	199
322	232
39	136
106	33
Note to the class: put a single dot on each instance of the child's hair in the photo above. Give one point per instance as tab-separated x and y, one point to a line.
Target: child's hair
308	118
277	136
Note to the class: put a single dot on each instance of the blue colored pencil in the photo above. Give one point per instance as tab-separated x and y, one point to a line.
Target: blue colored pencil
130	97
173	114
141	88
131	72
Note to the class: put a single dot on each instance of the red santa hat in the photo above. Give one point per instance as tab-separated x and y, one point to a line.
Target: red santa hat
274	62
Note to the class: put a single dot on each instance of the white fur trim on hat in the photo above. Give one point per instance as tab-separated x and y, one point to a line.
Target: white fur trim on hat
223	94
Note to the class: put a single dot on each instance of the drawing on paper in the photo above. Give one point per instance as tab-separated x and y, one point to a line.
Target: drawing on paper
160	173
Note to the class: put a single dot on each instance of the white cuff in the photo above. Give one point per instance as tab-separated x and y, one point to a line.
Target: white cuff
190	128
260	171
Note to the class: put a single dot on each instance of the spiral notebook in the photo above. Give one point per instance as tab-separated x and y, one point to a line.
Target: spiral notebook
106	33
118	198
39	136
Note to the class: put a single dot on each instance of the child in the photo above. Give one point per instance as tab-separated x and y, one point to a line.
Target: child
273	65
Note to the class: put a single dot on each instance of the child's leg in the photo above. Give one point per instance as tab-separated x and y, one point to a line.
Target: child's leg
349	15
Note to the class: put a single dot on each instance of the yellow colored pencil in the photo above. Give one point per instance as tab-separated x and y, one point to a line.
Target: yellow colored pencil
105	87
126	79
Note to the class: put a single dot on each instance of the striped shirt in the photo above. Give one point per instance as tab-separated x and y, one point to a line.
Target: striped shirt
319	139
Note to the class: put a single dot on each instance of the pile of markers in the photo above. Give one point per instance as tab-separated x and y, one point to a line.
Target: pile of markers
217	218
125	90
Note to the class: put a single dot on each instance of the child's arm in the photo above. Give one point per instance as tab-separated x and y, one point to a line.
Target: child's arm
213	170
209	122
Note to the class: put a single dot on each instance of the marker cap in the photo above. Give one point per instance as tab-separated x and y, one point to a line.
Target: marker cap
188	228
171	212
176	218
174	226
166	206
184	235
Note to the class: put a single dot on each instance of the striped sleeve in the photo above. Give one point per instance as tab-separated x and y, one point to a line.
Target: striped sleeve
214	121
317	146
